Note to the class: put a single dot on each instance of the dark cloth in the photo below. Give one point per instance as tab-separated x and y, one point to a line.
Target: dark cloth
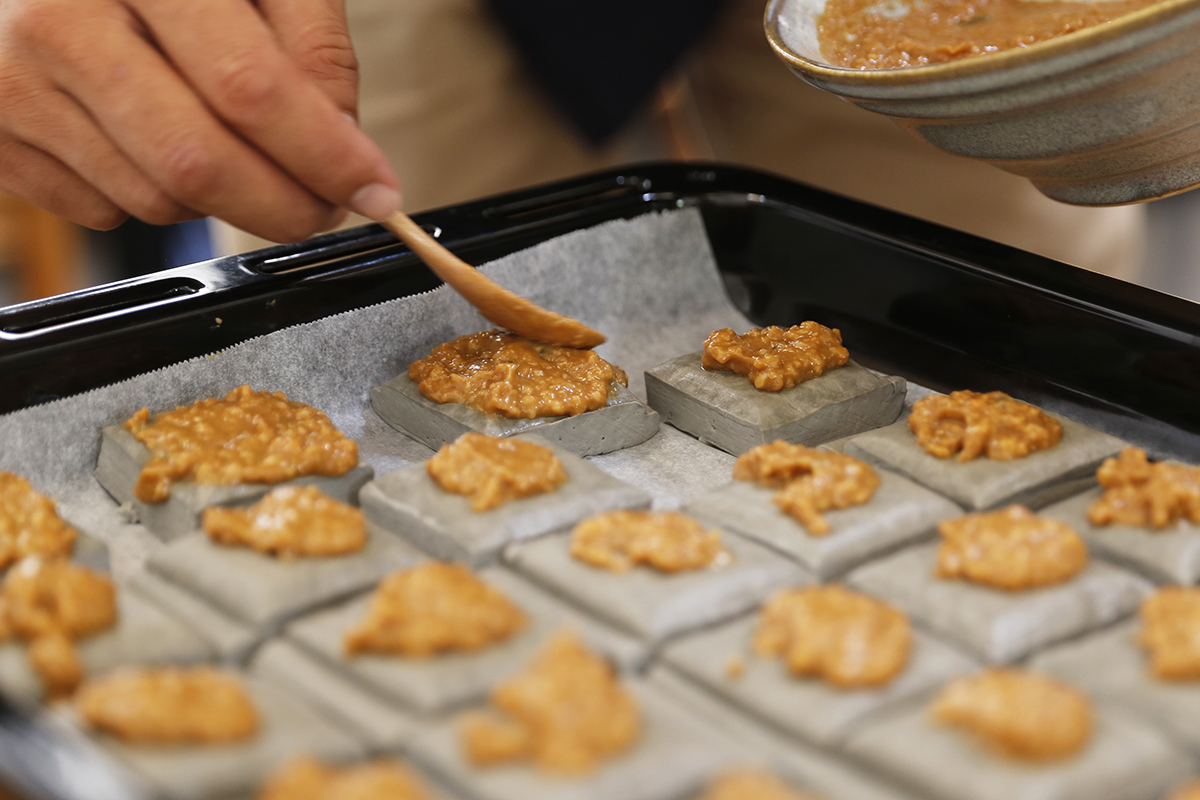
600	61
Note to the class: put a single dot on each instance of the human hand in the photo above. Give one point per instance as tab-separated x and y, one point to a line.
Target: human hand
174	109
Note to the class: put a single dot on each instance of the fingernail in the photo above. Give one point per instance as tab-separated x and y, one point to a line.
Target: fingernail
377	202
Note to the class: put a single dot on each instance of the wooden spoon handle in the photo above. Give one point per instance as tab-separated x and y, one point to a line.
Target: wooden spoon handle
495	303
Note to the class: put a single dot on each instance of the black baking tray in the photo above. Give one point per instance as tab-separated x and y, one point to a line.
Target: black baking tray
940	307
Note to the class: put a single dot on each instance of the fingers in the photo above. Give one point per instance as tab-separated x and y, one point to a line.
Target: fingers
46	182
155	119
227	52
313	33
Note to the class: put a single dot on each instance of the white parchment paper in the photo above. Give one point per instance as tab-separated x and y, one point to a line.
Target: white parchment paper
650	284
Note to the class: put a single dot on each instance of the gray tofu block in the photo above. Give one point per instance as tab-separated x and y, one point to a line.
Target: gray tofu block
230	639
409	503
1126	759
656	605
726	411
263	590
1036	480
900	512
287	727
435	685
383	727
142	634
671	757
997	625
121	459
1166	555
623	422
754	746
1111	666
808	708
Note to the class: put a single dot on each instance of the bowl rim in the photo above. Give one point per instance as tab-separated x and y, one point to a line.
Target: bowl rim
998	61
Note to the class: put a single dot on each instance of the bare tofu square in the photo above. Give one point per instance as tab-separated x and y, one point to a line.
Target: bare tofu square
231	639
286	727
1126	759
808	708
409	503
671	757
142	634
122	457
899	513
725	410
1166	555
381	725
440	683
655	605
1111	666
623	422
997	625
261	589
1035	480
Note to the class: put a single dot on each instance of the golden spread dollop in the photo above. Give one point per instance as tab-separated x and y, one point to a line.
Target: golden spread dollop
567	713
290	521
869	34
1017	713
977	423
665	540
1188	791
496	372
169	705
308	778
848	639
492	470
1138	492
246	437
751	785
49	603
29	525
812	480
1012	549
775	358
1171	633
434	608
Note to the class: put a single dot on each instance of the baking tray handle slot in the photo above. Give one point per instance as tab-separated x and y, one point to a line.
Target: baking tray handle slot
92	303
570	199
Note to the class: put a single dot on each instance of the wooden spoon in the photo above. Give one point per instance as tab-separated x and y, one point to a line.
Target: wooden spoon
494	302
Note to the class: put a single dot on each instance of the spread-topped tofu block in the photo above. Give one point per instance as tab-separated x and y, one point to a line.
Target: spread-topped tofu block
671	756
1124	759
1034	480
443	524
121	460
1000	626
437	683
1110	665
727	411
500	384
261	590
722	660
653	604
899	512
218	770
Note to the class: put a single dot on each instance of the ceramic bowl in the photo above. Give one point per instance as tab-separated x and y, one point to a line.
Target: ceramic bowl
1103	116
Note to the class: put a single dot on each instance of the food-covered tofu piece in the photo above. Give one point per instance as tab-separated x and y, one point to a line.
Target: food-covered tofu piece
751	785
802	388
29	523
704	578
497	383
668	541
1035	479
966	425
999	625
308	778
445	524
1144	494
171	467
290	522
1171	633
490	470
